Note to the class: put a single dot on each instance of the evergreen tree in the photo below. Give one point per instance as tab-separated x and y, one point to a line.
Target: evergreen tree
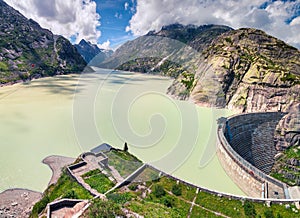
125	147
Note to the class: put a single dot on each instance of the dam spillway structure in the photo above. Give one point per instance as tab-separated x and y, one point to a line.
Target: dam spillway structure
246	150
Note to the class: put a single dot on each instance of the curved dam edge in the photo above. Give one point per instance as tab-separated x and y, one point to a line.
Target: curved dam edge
253	181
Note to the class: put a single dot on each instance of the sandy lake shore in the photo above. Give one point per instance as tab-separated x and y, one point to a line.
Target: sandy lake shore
56	164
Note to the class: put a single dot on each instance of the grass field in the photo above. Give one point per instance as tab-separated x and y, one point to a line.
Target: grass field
98	181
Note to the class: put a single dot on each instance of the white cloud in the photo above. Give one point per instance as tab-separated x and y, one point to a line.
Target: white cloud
105	45
295	21
64	17
153	14
126	5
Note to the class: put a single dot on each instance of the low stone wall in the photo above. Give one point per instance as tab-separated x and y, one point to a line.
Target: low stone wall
241	153
77	165
103	163
130	178
63	203
236	197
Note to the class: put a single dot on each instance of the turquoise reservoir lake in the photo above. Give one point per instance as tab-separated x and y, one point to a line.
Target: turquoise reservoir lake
66	115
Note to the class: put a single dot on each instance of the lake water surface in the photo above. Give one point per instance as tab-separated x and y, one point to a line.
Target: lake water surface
67	115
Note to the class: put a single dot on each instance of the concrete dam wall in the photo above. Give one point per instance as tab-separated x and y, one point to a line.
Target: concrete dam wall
246	150
252	137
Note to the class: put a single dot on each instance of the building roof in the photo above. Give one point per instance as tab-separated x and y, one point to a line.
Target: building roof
101	148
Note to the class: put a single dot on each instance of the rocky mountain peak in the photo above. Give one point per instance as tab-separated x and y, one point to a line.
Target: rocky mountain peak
88	51
84	43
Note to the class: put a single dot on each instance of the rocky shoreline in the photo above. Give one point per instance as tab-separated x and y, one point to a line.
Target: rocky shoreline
18	202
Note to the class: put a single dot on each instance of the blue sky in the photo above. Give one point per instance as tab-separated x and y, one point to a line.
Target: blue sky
110	23
114	19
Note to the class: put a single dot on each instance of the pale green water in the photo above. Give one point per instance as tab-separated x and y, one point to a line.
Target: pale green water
45	118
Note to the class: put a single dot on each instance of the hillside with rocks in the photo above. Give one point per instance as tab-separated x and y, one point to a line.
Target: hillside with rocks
28	51
248	70
91	51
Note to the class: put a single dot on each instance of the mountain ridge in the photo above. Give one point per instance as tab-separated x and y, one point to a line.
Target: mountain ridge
165	43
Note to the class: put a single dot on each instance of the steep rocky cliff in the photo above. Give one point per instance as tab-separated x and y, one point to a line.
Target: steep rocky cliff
287	142
248	70
28	51
287	133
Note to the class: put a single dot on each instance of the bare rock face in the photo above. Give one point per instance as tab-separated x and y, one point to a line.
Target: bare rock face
271	98
248	70
287	132
287	141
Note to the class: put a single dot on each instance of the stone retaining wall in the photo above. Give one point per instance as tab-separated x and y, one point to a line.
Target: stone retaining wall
246	152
